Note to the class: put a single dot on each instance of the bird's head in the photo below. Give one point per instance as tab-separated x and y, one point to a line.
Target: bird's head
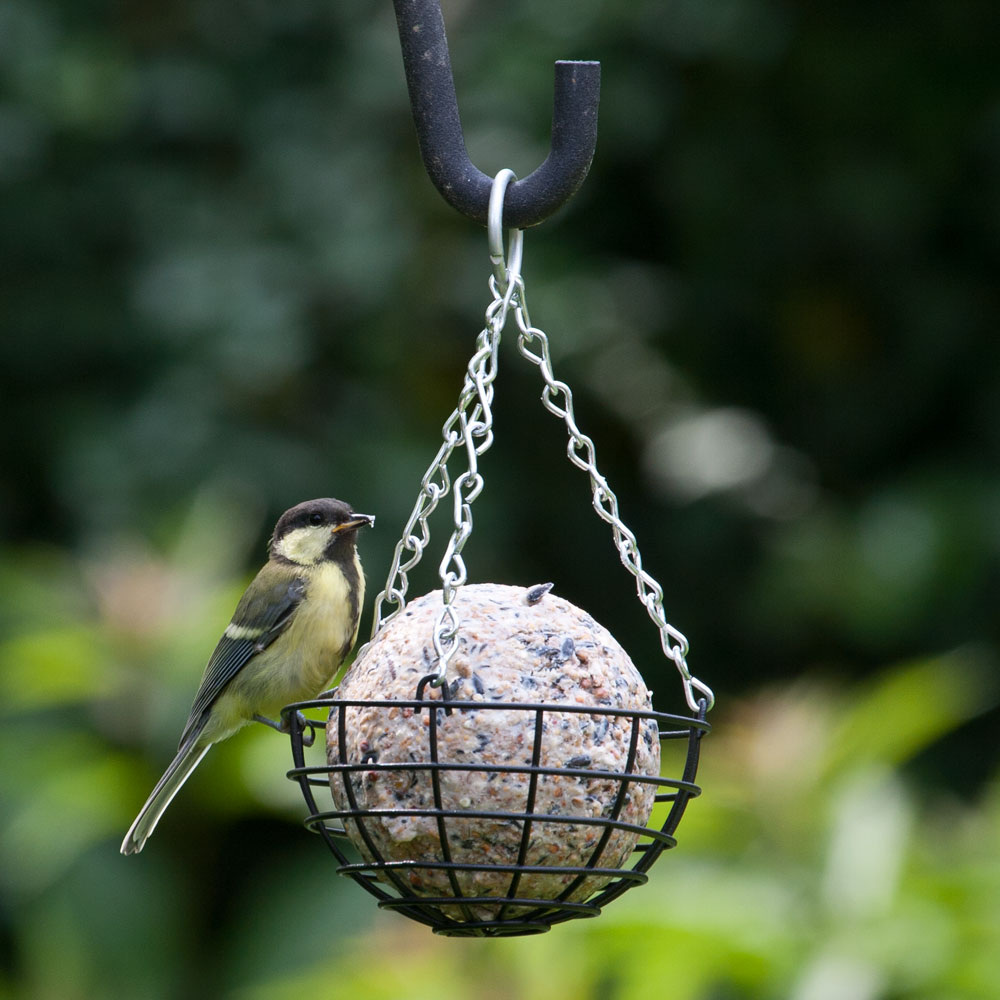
316	530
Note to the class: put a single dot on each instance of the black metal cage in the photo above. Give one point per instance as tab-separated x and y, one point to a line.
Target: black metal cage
456	912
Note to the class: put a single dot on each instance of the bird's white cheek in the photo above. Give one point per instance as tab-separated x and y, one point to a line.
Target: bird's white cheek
304	546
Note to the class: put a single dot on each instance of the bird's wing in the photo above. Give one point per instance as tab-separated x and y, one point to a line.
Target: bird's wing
264	612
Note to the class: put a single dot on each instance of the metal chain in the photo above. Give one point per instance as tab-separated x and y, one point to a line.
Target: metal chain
557	398
473	418
471	423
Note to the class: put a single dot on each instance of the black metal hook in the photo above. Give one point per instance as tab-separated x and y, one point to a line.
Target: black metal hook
439	129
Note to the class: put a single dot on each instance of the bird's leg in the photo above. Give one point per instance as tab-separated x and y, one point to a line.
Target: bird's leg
281	727
308	733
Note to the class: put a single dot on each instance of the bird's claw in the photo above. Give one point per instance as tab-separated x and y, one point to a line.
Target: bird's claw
284	726
308	730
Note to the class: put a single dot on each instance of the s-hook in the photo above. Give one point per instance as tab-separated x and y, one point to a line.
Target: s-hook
439	129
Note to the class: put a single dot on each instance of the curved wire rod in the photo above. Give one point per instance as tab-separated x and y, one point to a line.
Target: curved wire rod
439	129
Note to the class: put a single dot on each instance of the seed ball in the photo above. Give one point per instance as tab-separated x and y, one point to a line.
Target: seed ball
512	647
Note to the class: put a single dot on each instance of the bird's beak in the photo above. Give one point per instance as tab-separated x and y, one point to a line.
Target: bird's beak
356	521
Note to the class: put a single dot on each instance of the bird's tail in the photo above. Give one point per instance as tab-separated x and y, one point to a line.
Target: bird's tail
187	759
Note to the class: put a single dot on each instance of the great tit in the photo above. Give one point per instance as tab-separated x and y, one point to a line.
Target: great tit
291	631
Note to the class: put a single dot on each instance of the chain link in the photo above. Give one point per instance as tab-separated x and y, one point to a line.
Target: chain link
471	424
557	398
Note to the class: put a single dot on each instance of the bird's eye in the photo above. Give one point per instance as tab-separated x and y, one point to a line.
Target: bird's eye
316	518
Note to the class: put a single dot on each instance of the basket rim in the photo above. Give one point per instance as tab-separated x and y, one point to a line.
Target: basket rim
685	722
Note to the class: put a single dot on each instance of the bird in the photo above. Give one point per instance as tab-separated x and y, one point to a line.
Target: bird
292	629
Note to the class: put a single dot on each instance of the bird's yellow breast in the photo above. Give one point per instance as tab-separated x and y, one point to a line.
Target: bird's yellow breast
303	660
324	626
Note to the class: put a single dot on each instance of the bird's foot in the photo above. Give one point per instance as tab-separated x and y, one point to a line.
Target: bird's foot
283	726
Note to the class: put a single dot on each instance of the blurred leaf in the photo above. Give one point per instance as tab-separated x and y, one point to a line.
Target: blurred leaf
905	710
57	667
61	798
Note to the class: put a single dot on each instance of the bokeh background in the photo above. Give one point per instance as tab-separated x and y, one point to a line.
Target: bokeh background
226	285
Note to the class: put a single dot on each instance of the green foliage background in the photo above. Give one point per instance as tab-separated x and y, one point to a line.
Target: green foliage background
227	286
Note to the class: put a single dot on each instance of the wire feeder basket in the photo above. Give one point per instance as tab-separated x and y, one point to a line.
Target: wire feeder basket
452	914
